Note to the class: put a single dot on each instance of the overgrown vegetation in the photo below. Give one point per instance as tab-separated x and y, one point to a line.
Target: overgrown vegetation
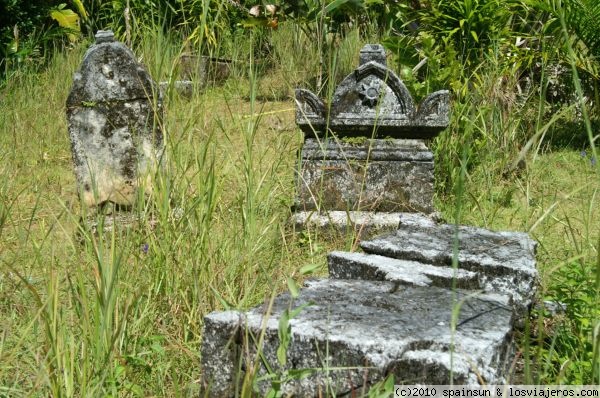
120	313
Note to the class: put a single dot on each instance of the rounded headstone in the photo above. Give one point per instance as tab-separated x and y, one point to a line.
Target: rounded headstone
114	115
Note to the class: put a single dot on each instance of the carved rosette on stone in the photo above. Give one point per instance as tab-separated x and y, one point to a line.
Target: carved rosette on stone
373	99
365	152
114	115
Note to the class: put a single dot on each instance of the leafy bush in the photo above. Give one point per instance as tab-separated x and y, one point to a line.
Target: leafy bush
29	30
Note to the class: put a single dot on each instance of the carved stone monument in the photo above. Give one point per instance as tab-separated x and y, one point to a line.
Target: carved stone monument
115	117
428	304
365	152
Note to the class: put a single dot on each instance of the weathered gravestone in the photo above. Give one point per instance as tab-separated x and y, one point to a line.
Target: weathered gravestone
115	117
365	152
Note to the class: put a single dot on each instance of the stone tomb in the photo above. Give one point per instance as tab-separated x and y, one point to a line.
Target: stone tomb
365	152
115	117
387	311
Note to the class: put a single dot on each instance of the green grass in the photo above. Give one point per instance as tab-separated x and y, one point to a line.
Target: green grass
120	313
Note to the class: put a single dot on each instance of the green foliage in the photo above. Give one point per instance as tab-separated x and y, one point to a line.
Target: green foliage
572	353
473	25
582	16
30	30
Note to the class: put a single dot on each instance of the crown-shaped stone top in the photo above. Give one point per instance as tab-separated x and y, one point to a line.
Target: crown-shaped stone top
373	52
104	36
372	101
110	72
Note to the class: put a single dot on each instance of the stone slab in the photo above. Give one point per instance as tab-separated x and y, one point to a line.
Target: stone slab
504	261
203	69
363	223
354	333
345	265
372	175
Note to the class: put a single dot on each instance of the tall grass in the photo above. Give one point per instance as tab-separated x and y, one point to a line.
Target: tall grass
120	312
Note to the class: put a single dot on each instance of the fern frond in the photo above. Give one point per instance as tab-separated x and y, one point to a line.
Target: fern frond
583	18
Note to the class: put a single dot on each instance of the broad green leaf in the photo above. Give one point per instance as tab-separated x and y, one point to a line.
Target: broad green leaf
299	374
282	354
80	9
252	22
332	6
65	17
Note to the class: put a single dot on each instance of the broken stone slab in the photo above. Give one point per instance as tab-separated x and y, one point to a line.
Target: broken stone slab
373	101
115	117
504	261
353	333
369	175
345	265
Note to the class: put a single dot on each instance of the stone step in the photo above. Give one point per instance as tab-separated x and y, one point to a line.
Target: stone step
354	333
344	265
504	261
363	223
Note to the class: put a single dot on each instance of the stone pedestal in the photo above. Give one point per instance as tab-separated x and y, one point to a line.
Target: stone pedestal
376	175
364	151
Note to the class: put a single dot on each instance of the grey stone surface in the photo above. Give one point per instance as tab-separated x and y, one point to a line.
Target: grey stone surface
372	175
344	265
373	101
364	223
114	116
184	88
503	261
354	333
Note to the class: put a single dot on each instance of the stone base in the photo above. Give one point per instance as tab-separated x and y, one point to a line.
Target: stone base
387	311
376	175
362	223
351	334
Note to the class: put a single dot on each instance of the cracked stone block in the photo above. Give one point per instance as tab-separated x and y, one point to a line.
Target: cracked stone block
344	265
351	334
369	175
114	116
503	261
